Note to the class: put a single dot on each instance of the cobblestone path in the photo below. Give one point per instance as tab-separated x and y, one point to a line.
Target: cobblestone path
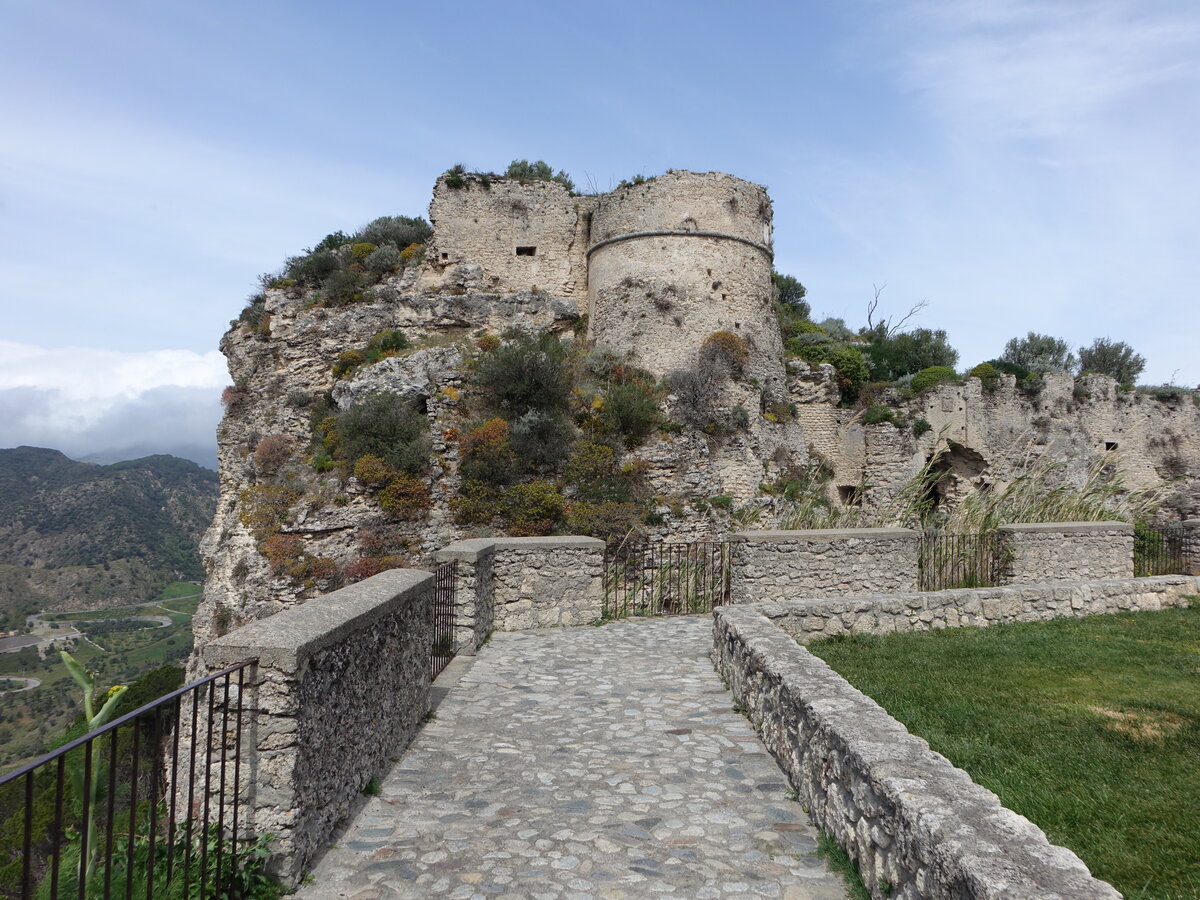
578	763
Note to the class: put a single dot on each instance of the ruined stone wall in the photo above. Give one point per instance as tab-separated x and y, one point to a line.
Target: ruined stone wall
777	565
485	225
326	715
918	828
1065	551
677	258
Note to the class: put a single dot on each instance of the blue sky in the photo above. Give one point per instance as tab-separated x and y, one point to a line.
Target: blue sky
1020	166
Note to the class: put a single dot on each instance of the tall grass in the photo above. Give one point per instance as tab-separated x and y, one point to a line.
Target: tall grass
1042	491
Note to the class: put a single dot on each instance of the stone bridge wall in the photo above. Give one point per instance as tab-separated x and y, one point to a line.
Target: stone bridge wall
917	826
325	715
779	565
1065	551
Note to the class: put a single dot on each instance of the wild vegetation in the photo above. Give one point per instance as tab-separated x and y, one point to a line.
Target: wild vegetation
1089	727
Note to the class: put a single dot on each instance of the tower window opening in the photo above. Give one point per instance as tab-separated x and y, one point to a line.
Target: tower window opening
526	251
1109	446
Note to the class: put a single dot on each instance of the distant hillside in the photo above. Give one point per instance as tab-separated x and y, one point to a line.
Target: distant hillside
119	531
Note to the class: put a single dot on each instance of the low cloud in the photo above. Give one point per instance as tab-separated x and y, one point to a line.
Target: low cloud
105	405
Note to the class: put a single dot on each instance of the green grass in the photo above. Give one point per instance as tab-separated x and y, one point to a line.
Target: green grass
841	864
1089	727
180	589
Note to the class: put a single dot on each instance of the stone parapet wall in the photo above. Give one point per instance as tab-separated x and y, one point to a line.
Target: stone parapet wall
1191	546
1065	551
535	582
809	619
325	714
474	591
780	565
917	826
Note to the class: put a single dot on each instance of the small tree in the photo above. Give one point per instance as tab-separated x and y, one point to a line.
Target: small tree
894	356
1039	353
791	293
1113	358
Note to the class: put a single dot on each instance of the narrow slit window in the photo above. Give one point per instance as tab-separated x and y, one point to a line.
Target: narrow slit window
1109	446
526	251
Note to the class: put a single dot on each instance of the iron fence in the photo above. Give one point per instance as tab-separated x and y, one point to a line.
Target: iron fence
127	810
663	579
947	560
1159	549
444	615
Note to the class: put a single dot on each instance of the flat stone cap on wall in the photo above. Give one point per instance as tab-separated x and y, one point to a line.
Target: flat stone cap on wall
474	548
1068	527
826	534
287	639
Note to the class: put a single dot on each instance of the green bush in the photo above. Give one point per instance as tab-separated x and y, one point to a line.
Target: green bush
372	471
388	426
312	268
361	250
931	377
852	372
388	341
631	411
383	260
909	352
399	231
476	504
592	469
613	521
541	439
725	349
987	374
343	287
487	455
920	427
877	414
810	353
533	508
347	362
540	170
405	497
523	374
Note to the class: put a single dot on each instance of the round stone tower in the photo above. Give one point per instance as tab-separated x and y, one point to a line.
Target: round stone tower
675	259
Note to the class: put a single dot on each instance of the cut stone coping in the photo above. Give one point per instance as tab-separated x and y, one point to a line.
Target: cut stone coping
473	548
825	534
286	640
905	813
1068	527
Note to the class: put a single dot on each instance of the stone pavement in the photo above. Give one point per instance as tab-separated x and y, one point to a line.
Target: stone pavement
577	763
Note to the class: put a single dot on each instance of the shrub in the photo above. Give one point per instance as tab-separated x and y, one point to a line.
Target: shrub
614	522
390	340
877	414
852	372
282	551
361	250
487	454
525	373
1038	353
383	541
631	411
312	268
235	395
405	497
313	569
388	426
790	292
271	453
987	375
592	469
373	471
367	566
541	439
383	260
412	254
810	353
254	314
1009	368
1113	358
266	507
931	377
347	362
920	427
477	503
722	501
399	231
909	352
532	508
726	349
488	343
343	287
538	171
740	419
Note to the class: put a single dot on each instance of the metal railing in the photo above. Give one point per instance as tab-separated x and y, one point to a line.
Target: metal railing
444	615
664	579
125	811
1159	550
947	560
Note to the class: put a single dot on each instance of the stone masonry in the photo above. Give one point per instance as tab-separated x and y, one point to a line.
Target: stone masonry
777	565
1065	551
918	828
341	686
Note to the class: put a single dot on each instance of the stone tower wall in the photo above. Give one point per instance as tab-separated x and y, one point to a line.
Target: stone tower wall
674	259
485	226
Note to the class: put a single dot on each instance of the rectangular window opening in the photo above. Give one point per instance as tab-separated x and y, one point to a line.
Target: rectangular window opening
1109	446
445	256
526	251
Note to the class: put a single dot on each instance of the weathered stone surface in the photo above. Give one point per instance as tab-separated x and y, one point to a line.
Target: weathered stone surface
341	686
583	762
917	826
778	565
1065	551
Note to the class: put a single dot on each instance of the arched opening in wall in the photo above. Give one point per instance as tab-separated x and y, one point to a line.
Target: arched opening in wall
954	473
850	494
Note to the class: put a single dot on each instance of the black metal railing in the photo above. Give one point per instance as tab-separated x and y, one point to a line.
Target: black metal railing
145	806
1159	549
665	579
444	615
947	560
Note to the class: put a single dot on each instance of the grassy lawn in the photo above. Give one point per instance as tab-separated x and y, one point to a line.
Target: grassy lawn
1089	727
